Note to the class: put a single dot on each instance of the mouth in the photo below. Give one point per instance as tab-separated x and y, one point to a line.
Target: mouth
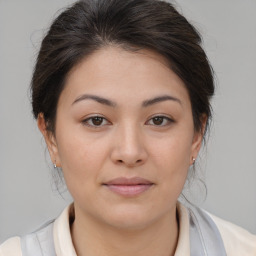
128	186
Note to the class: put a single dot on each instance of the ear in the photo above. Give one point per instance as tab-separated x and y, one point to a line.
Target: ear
49	139
197	140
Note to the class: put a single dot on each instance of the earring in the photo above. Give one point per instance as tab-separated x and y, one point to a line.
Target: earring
194	160
54	165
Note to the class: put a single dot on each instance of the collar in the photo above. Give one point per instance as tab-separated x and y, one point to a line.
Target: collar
63	240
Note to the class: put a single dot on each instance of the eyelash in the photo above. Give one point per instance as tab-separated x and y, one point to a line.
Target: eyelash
85	121
165	118
168	120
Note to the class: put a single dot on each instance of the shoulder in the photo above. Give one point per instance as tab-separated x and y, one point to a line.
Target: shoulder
41	239
11	247
54	234
237	241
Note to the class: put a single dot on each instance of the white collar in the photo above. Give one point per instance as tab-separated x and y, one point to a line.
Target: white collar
63	241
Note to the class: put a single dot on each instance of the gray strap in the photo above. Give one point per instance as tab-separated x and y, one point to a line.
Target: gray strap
205	238
39	243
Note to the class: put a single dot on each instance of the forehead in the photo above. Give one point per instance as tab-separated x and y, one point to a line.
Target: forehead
123	75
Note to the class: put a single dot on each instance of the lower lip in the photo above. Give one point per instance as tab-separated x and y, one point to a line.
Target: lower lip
129	190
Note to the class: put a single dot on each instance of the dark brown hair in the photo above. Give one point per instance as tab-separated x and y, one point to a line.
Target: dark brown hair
89	25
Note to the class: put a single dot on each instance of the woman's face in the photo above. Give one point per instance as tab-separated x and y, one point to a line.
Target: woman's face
124	115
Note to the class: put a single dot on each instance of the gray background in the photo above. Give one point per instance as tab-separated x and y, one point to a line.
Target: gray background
28	196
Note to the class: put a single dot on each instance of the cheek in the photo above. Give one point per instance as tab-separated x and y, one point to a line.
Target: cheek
173	152
81	156
171	157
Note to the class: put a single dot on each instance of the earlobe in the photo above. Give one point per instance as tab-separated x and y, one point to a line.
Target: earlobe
49	139
197	140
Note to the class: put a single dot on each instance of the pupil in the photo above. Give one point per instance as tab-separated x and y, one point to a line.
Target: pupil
97	120
158	120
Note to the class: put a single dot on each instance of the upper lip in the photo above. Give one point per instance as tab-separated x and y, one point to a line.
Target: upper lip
128	181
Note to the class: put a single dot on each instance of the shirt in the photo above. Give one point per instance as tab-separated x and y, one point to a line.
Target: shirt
237	241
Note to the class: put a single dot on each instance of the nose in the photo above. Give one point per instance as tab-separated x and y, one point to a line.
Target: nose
128	147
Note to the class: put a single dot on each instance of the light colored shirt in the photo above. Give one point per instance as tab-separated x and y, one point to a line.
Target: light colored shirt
237	241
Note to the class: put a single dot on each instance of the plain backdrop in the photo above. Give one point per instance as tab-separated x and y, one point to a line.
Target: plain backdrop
28	196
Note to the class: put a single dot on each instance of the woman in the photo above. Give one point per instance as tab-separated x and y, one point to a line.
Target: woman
121	92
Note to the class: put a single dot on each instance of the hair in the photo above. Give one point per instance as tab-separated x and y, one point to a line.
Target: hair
89	25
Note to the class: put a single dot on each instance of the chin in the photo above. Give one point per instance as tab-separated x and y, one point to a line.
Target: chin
129	218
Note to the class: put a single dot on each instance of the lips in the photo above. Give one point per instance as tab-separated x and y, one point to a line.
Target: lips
128	181
129	186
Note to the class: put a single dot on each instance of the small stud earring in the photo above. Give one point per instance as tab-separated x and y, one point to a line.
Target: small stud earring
194	160
54	165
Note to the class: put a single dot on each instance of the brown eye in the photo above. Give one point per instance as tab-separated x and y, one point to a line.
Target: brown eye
158	120
97	120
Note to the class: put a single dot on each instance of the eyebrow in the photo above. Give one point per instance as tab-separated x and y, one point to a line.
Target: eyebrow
95	98
158	99
110	103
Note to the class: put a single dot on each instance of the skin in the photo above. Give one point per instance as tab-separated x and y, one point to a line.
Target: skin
127	142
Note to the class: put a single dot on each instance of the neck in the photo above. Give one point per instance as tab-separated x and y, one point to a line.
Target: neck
93	238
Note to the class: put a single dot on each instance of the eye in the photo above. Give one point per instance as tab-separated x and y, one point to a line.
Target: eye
95	121
160	121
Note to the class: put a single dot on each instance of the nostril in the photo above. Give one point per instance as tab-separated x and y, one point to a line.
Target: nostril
130	164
